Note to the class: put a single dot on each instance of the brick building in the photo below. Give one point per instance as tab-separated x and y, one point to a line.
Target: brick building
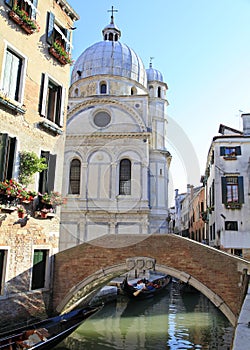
35	45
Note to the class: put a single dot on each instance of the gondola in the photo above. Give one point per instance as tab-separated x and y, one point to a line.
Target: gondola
144	288
46	334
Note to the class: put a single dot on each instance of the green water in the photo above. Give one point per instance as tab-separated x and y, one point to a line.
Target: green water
170	321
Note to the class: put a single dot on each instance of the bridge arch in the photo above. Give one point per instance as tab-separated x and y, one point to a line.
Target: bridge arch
81	271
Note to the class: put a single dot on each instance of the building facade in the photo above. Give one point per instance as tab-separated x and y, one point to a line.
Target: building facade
35	45
228	188
116	160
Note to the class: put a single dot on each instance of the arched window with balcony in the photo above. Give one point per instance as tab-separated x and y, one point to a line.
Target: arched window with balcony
74	176
125	177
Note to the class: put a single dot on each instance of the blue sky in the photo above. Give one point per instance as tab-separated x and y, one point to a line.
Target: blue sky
202	49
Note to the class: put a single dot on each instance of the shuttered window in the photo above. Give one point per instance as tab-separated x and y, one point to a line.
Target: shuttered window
52	100
57	33
39	269
12	74
125	177
74	177
230	151
29	6
47	176
7	156
232	189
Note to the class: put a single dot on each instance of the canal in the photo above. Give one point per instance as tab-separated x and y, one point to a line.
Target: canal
173	320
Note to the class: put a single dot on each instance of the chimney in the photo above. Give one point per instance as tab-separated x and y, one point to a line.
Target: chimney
246	123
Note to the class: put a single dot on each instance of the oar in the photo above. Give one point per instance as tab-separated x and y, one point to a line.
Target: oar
137	292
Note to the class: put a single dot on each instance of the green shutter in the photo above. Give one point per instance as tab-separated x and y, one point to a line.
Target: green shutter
241	189
238	151
3	152
50	27
9	3
224	189
51	172
222	151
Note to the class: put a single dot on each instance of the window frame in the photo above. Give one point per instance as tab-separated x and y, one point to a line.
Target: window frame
3	269
240	190
59	115
125	187
230	152
53	28
234	226
33	6
21	82
77	179
46	268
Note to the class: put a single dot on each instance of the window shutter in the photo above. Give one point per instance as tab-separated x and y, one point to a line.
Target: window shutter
224	189
11	157
3	151
222	151
44	94
51	172
50	27
33	13
238	151
61	115
241	189
67	47
43	187
9	2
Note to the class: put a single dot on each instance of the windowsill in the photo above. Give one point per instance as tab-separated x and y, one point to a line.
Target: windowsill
230	157
233	205
51	127
11	105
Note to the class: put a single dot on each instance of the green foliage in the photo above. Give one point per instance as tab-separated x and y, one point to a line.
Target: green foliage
30	164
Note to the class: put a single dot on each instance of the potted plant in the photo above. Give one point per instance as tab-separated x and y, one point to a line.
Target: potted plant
44	212
58	51
22	18
21	211
30	164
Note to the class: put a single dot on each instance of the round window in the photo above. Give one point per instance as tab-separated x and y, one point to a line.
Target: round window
102	119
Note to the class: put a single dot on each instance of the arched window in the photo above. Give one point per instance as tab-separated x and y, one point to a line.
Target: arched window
125	177
133	91
103	88
74	176
159	91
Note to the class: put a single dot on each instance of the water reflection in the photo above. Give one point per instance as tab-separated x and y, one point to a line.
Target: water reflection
170	321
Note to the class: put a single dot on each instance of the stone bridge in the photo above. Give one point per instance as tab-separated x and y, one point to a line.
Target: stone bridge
81	271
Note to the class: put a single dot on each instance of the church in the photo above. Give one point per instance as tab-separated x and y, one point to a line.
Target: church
116	163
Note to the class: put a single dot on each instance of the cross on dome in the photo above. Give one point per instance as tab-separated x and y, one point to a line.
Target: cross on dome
112	14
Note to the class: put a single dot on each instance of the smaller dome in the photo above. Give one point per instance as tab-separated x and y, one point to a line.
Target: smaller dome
154	74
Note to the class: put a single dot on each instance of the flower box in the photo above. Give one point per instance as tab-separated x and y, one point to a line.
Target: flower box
55	54
15	17
29	27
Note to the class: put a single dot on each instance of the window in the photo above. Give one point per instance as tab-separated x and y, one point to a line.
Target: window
102	119
39	268
47	177
125	177
229	152
12	75
74	177
56	33
231	225
232	189
103	88
159	91
52	100
29	6
237	252
7	156
3	259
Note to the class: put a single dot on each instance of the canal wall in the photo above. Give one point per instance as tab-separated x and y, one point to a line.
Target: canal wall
242	331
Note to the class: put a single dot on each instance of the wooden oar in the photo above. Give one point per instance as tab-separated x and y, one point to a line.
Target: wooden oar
137	292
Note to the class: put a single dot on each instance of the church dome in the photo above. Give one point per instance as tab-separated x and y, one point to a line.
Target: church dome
154	74
110	57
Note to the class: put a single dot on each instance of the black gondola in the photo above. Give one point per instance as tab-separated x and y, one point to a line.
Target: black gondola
144	288
46	334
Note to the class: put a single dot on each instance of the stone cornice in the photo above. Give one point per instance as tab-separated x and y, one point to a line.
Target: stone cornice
106	101
111	135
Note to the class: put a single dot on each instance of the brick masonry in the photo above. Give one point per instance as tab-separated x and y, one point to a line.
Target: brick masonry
221	273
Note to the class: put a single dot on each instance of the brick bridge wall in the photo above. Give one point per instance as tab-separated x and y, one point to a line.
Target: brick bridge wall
84	268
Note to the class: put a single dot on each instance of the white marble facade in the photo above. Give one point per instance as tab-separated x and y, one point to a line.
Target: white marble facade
117	119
